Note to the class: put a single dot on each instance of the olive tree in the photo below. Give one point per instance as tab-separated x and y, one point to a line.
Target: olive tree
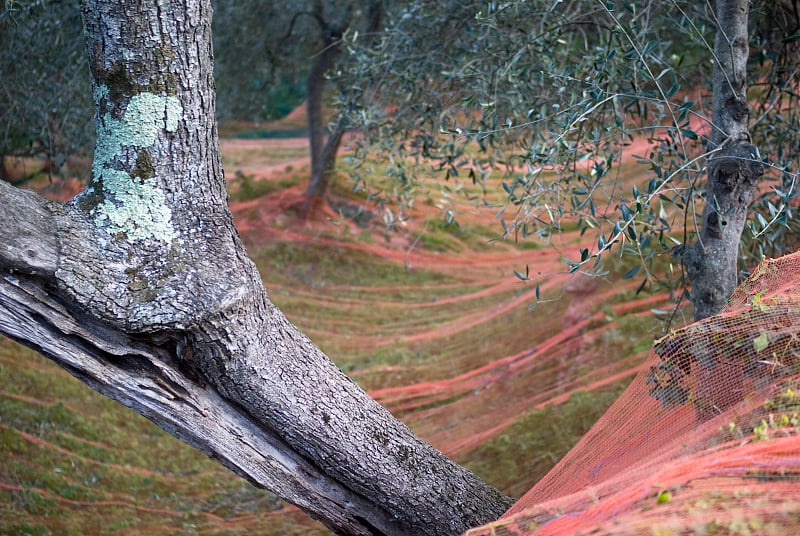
140	287
302	40
552	93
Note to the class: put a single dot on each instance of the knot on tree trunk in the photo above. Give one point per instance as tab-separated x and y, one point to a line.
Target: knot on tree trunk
711	263
737	167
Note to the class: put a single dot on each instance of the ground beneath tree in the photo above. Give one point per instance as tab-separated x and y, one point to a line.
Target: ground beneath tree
429	318
451	347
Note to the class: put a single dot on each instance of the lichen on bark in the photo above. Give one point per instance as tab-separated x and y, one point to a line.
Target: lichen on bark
131	202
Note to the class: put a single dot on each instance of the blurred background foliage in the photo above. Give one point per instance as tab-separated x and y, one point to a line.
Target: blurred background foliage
45	91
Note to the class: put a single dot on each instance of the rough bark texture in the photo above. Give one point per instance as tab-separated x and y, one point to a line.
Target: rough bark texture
141	288
733	170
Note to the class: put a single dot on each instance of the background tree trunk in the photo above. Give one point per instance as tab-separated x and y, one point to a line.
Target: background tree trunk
322	173
324	149
733	170
323	146
141	288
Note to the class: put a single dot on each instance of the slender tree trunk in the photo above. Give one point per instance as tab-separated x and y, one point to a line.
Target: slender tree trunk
323	147
733	170
322	173
141	288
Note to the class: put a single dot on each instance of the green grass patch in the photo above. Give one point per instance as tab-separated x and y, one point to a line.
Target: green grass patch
254	156
318	265
453	237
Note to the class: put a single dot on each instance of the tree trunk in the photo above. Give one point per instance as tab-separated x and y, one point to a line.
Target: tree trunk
322	172
323	148
141	288
733	169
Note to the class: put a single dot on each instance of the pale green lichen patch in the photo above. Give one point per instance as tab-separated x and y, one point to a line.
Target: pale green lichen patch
133	205
139	209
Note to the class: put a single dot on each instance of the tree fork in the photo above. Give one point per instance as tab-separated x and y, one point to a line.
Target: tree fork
141	288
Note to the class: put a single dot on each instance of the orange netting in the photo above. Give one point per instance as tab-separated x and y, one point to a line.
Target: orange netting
704	441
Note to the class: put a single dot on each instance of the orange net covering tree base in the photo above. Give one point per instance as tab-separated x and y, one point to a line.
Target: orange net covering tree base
704	441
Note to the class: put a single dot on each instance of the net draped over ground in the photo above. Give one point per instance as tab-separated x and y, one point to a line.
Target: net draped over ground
704	440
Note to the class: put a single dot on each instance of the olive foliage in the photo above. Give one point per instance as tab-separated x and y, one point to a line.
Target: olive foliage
550	94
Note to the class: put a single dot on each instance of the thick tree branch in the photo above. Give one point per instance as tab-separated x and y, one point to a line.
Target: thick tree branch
27	233
147	378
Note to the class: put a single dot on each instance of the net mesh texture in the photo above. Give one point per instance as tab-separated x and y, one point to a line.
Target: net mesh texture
705	439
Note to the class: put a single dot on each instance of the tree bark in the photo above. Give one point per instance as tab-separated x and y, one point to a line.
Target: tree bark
141	287
733	169
322	168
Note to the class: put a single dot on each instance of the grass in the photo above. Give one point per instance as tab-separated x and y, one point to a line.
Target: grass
254	156
439	235
245	186
318	265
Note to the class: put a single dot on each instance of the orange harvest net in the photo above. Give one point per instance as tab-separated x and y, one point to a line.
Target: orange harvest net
704	441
